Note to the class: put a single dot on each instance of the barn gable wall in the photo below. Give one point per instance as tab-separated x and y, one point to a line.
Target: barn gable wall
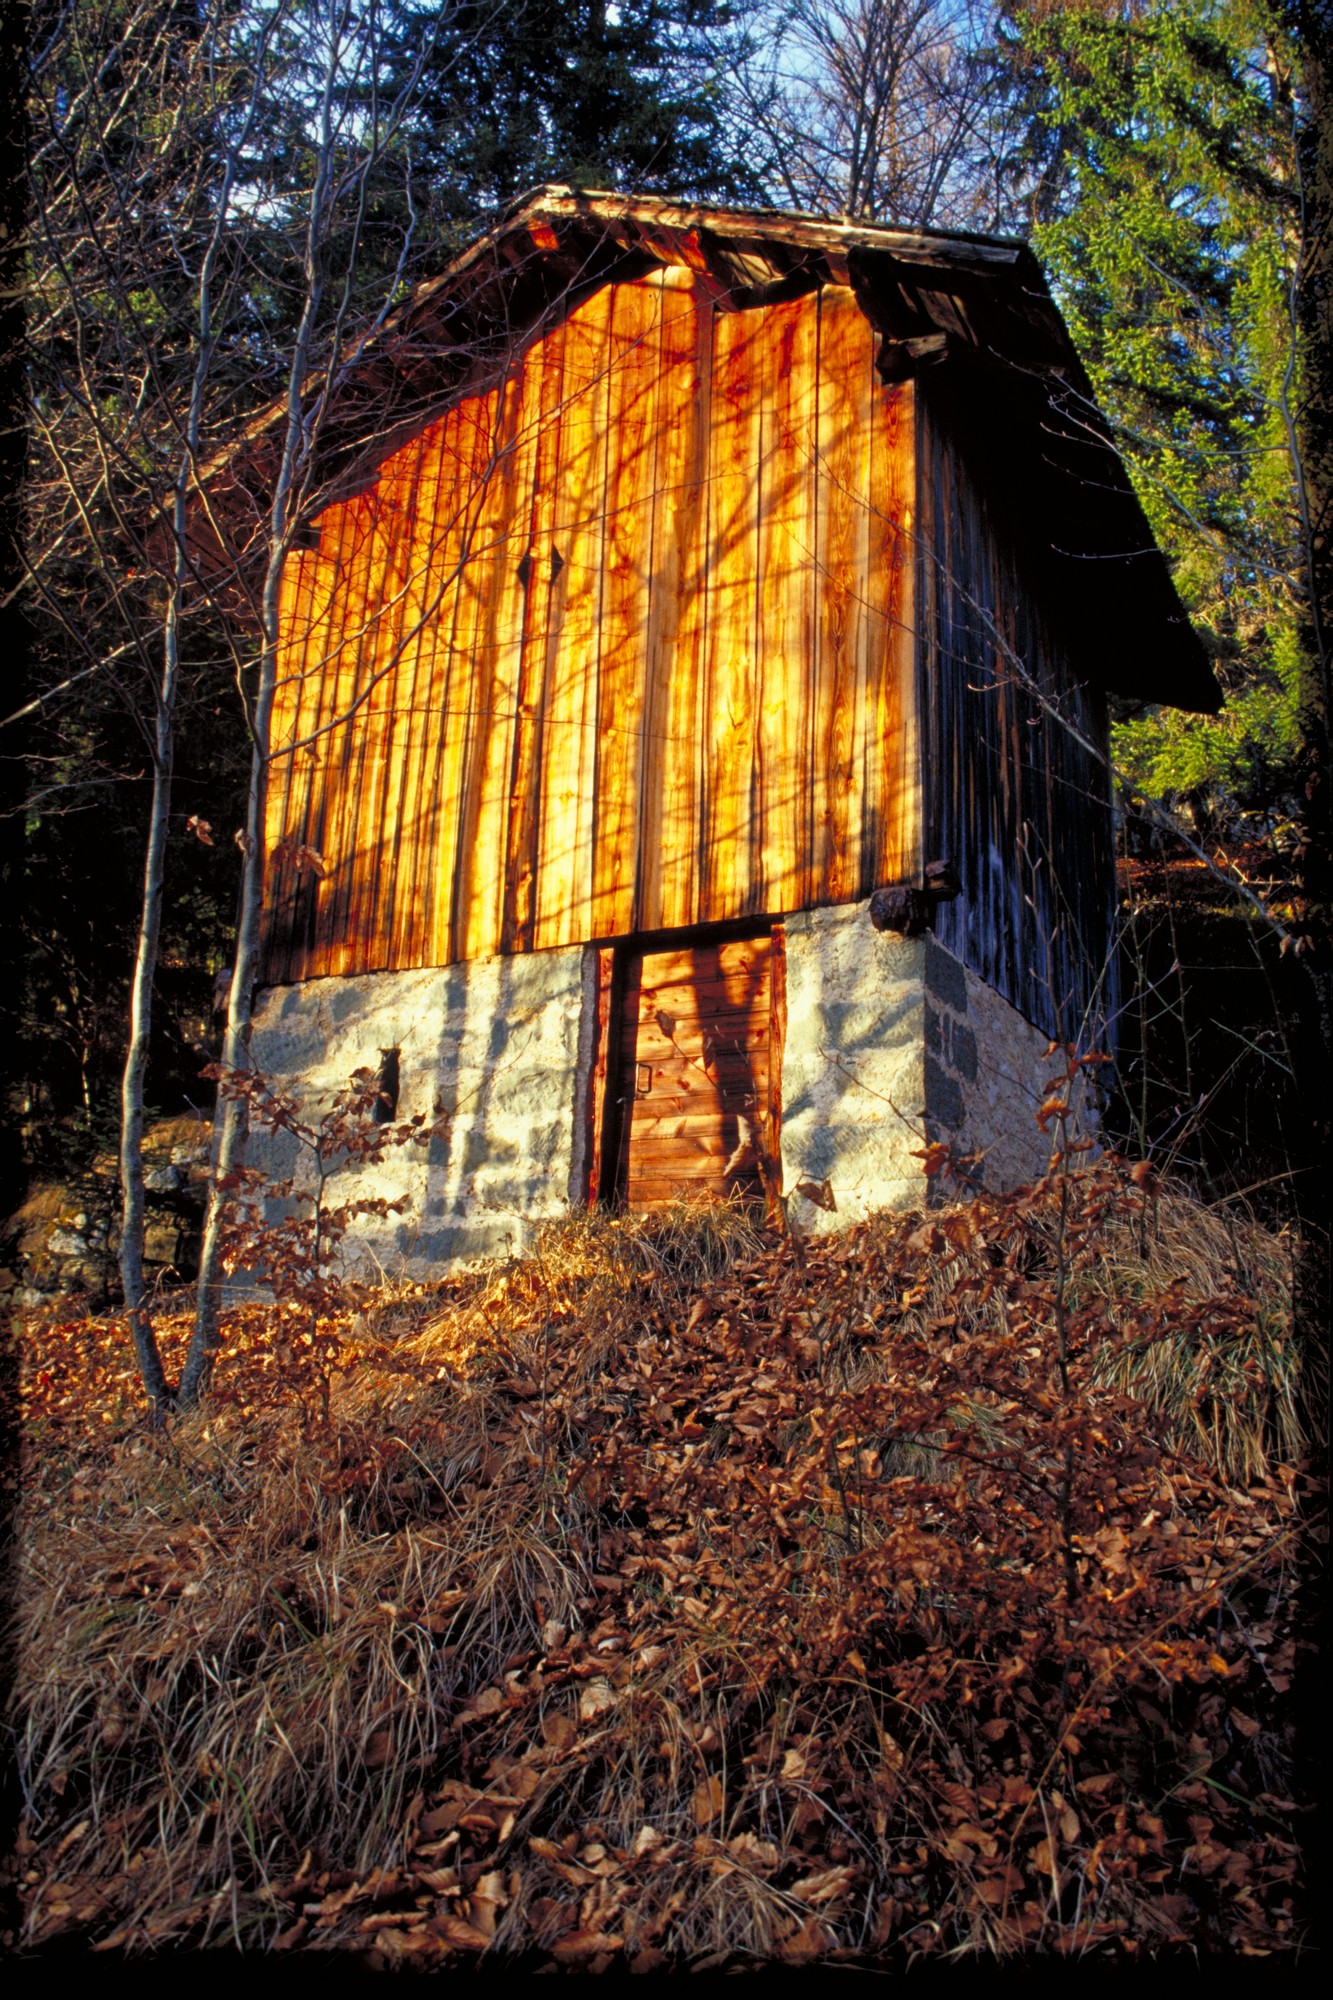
624	643
705	573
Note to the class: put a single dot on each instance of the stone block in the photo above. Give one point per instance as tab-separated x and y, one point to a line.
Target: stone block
946	977
944	1097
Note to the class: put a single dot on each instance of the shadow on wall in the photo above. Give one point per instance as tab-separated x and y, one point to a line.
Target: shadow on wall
506	1074
852	1072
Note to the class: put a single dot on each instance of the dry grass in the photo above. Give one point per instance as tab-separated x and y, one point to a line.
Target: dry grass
289	1684
1232	1392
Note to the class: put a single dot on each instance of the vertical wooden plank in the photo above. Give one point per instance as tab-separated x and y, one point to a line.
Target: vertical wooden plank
562	700
281	805
891	833
727	827
786	591
678	787
505	517
541	417
321	645
323	642
359	733
389	835
377	678
569	635
349	735
411	864
929	653
867	650
844	364
484	617
319	707
361	945
568	819
444	511
674	443
813	830
632	415
762	368
463	446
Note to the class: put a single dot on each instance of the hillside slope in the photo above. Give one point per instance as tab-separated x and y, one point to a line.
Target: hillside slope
684	1596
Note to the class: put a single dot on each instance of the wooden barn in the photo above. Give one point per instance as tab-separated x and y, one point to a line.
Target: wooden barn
695	686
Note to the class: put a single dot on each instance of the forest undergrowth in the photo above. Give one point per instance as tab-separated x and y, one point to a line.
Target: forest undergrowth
688	1595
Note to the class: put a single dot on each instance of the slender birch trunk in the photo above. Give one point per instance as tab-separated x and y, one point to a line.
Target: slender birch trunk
131	1257
228	1150
141	1023
333	188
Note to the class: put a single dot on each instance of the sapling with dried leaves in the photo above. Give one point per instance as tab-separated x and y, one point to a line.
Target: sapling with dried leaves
284	1232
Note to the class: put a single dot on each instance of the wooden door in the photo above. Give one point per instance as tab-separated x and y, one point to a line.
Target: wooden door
695	1055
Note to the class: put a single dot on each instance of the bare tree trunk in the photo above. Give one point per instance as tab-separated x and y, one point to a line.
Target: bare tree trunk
150	925
231	1113
144	137
338	195
141	1021
204	1341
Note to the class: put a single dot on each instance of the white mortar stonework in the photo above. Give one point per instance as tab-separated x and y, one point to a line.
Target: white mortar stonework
853	1069
891	1042
500	1046
988	1074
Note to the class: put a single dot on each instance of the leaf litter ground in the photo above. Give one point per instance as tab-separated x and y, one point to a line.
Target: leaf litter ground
686	1596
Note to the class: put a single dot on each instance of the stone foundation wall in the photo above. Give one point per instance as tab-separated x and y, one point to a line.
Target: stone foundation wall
891	1042
987	1075
853	1069
500	1046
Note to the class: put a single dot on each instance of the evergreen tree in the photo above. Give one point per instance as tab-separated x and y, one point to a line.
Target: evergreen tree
599	95
1160	180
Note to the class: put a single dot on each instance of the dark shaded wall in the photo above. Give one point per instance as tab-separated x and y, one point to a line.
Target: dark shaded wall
1013	749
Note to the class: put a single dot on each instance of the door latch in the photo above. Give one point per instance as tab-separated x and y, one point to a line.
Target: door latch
643	1079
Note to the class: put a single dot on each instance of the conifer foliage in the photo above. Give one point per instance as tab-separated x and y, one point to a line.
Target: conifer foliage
605	96
1161	195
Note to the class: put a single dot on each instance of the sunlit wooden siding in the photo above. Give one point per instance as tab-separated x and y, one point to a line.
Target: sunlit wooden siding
694	1051
622	643
1014	754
